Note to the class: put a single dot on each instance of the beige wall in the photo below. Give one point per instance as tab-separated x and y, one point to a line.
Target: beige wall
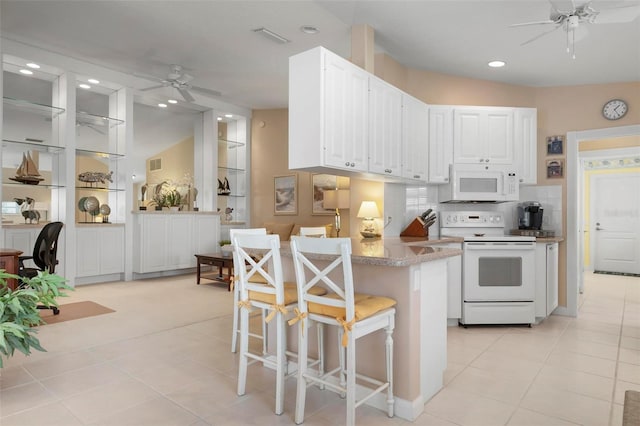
560	110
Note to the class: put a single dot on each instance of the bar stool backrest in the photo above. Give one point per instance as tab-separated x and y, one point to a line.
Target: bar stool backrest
313	231
245	247
336	277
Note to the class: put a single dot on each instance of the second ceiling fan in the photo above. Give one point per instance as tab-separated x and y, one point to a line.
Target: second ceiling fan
181	81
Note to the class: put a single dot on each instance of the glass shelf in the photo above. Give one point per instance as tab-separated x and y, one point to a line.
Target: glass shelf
40	185
31	107
98	154
230	195
231	169
98	189
84	118
32	146
230	144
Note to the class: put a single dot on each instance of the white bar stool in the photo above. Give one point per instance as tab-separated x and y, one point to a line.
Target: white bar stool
313	231
355	315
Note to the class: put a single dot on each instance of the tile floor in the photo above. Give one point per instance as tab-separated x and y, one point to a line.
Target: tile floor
163	358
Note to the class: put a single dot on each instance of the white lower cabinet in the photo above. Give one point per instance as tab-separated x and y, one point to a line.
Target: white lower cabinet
23	238
167	242
546	279
99	250
454	282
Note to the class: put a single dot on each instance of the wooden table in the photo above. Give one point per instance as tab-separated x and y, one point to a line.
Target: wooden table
9	262
220	260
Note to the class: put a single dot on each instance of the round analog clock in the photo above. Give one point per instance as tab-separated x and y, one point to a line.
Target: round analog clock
614	109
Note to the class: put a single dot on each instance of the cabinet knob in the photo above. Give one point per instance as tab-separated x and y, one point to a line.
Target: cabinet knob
446	179
482	160
521	180
346	164
353	164
486	160
416	176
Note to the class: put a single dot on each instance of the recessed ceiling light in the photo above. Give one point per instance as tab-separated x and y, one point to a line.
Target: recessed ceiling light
497	64
309	29
93	81
228	115
172	101
26	72
162	105
84	86
219	118
32	65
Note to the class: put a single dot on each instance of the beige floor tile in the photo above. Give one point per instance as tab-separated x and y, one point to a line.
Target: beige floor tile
632	331
621	388
583	347
495	362
426	419
60	364
616	415
629	372
577	382
567	405
594	325
524	417
468	409
19	398
591	337
494	385
54	414
159	411
629	356
14	376
629	342
104	401
530	346
585	363
84	379
452	371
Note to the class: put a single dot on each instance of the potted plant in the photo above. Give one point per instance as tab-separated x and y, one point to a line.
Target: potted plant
159	199
174	199
19	310
225	246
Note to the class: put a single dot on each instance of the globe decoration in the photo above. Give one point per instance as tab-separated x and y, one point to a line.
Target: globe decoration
81	204
91	204
105	210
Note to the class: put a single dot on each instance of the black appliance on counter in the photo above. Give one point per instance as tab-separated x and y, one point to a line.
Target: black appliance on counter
530	215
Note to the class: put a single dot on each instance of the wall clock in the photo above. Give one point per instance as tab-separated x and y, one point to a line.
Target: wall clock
614	109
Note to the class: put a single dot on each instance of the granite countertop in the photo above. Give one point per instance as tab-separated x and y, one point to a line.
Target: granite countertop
549	239
394	251
147	212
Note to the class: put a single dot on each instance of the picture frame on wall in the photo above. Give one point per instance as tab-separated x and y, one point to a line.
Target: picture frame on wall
555	169
555	145
285	195
319	184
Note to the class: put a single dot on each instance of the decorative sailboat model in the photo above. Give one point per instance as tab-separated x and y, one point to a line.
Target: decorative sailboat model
27	172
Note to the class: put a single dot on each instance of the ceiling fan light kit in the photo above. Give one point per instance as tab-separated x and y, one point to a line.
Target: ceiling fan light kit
181	81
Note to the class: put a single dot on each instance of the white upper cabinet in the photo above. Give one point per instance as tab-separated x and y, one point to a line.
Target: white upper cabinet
415	138
440	143
525	144
483	135
385	128
328	112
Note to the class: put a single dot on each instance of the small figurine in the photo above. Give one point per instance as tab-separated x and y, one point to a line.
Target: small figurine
27	209
227	216
95	177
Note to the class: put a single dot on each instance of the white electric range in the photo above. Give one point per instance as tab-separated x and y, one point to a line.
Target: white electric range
498	270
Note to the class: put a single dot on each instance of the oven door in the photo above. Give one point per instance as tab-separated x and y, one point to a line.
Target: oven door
499	271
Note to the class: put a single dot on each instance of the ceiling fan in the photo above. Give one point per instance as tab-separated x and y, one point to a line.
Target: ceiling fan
181	81
570	14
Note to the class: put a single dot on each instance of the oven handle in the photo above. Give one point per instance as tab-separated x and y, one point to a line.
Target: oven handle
499	246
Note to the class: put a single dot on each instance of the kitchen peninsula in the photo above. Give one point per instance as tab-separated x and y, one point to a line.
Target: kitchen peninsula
413	271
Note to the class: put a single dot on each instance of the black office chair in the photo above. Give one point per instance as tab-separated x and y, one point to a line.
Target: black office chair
44	255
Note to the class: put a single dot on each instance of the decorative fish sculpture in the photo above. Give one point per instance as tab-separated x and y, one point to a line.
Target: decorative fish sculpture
93	177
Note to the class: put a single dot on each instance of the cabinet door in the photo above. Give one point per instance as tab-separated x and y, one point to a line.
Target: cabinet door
345	126
415	138
385	128
88	252
179	254
524	144
23	240
206	232
440	143
468	136
154	243
552	277
498	139
112	250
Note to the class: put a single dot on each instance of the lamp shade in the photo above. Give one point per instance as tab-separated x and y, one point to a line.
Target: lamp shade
336	199
368	209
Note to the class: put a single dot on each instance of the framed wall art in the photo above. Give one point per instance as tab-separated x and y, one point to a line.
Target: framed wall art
555	169
555	145
285	195
321	183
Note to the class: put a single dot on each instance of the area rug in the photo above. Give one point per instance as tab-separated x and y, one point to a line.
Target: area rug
73	311
625	274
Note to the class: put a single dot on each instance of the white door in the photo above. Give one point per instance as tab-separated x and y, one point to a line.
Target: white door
615	222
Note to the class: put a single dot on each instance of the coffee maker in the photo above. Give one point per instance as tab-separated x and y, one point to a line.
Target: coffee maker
530	215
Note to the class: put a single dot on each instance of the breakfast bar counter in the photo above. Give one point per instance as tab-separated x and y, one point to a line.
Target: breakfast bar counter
413	272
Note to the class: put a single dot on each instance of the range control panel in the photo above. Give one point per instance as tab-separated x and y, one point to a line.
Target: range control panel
455	219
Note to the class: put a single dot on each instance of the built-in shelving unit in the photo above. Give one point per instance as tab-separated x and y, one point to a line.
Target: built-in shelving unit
232	180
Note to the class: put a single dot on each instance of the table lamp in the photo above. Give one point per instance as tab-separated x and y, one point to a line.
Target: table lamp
336	199
368	212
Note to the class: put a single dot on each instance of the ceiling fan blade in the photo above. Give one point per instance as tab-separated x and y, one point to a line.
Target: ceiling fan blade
186	95
616	15
524	24
206	91
153	87
539	36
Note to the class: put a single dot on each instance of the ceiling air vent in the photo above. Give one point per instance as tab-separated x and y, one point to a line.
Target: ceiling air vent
155	164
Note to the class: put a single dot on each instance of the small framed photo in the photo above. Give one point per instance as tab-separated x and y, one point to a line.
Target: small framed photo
321	183
555	145
285	190
555	169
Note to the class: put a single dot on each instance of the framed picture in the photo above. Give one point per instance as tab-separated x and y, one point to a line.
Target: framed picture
555	145
285	195
555	169
322	183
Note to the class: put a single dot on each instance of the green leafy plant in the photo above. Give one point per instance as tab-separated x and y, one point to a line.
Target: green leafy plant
174	199
224	242
160	200
19	310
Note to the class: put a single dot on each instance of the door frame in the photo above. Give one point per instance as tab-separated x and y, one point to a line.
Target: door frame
574	267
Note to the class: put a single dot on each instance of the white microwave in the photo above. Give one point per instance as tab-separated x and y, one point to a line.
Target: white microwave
476	182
